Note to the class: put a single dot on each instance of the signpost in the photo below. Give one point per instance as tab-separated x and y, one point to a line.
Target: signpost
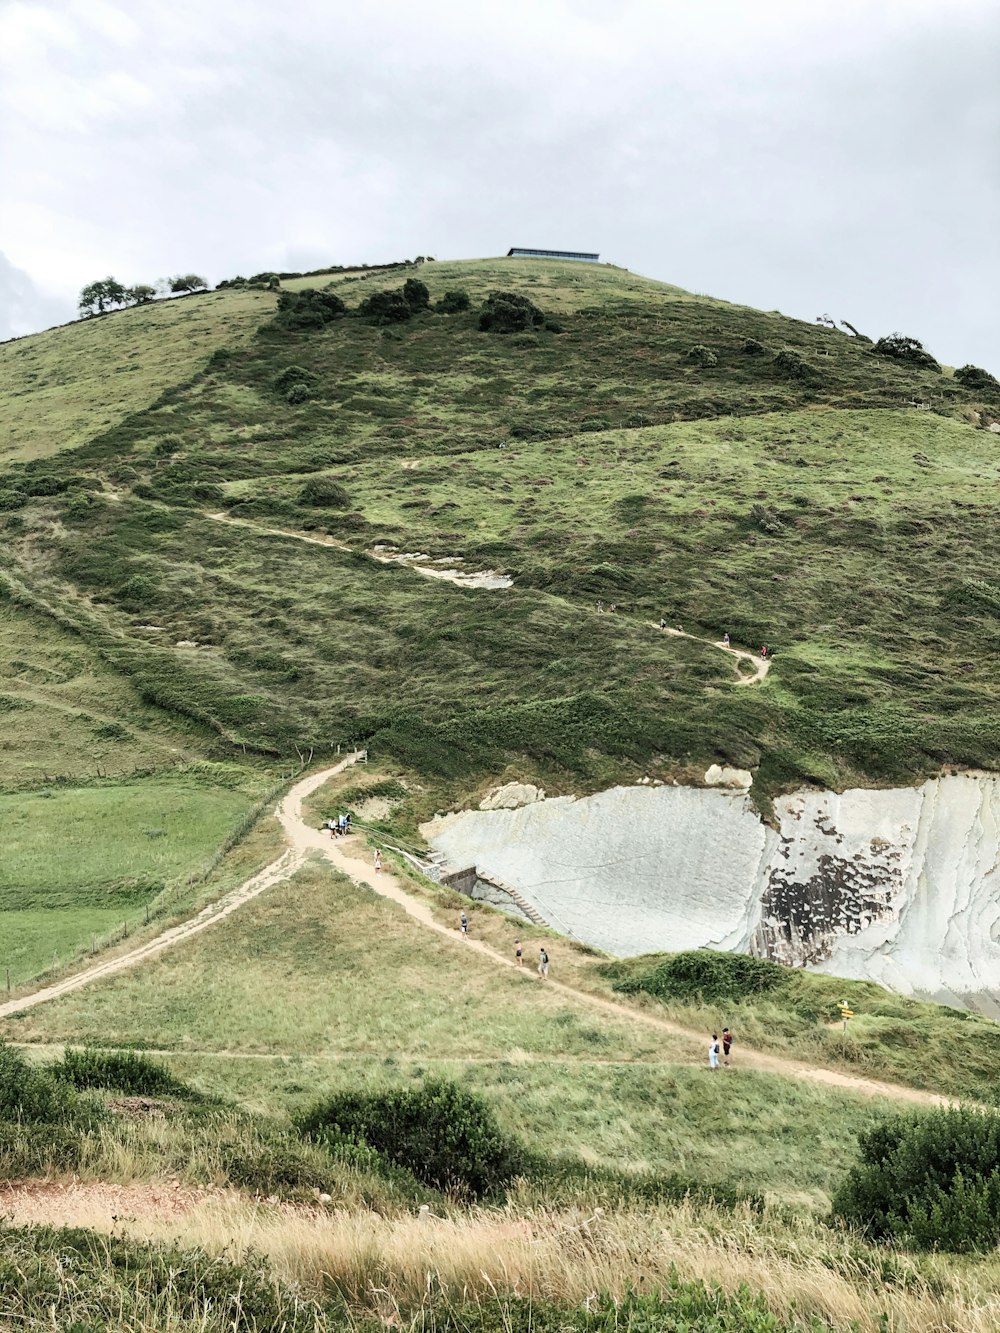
846	1012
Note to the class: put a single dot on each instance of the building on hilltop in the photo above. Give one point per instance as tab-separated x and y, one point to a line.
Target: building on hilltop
518	252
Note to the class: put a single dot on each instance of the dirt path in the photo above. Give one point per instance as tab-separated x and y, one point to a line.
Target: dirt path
761	665
283	868
486	578
344	855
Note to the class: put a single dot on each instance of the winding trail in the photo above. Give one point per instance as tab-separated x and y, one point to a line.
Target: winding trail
485	579
304	840
761	665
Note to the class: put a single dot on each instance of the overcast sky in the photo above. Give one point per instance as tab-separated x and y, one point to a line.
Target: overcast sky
811	156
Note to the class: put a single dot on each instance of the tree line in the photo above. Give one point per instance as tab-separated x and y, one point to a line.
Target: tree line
98	298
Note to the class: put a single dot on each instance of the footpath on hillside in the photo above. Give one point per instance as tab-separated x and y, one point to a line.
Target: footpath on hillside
304	840
486	579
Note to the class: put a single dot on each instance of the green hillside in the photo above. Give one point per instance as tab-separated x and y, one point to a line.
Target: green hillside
789	493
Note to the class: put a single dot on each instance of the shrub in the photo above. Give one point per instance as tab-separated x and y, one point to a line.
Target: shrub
767	519
931	1180
453	303
703	974
32	1095
792	364
702	355
11	499
416	295
977	379
324	493
386	307
752	347
447	1137
296	384
507	312
308	309
124	1071
901	347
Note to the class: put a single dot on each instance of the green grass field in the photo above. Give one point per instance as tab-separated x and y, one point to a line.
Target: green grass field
63	387
337	987
79	862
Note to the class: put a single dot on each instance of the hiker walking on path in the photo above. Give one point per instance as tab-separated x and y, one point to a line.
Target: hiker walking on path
463	922
763	651
378	862
713	1052
727	1046
725	640
543	963
518	952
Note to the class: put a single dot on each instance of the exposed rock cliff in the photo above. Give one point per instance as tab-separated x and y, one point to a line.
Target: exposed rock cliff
902	886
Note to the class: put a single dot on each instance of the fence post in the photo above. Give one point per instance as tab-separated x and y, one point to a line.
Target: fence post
8	980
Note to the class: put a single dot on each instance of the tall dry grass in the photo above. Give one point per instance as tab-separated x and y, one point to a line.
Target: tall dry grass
395	1264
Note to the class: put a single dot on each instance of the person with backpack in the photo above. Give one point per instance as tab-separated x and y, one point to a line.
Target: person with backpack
464	924
543	963
713	1052
727	1046
518	952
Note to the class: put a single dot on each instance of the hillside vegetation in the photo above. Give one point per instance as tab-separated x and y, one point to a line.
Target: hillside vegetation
730	469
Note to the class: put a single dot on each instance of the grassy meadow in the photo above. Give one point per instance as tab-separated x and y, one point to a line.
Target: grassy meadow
64	386
80	862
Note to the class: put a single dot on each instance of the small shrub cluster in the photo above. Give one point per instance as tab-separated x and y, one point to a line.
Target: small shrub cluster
901	347
753	347
308	309
123	1071
703	974
929	1180
700	355
978	380
444	1135
296	384
324	493
507	312
767	519
396	306
452	303
793	365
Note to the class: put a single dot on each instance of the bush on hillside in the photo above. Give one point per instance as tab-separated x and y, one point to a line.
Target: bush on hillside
386	307
123	1071
766	519
703	974
507	312
416	295
794	365
977	379
308	309
930	1180
752	347
447	1137
701	355
901	347
31	1094
296	384
453	303
324	493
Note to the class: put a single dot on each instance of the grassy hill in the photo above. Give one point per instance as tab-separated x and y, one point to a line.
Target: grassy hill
790	493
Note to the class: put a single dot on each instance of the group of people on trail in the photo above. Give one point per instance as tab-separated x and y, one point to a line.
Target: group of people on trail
726	1045
339	826
543	953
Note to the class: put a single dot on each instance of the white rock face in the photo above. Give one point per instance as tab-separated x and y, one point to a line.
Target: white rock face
741	779
511	795
900	886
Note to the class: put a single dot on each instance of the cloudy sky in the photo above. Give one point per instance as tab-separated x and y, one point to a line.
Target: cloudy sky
801	155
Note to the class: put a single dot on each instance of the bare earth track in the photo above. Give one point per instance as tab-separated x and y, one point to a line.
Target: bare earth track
304	841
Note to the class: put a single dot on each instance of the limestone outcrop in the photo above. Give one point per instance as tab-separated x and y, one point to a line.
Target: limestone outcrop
901	886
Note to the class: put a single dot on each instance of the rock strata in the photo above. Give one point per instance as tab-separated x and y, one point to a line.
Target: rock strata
901	886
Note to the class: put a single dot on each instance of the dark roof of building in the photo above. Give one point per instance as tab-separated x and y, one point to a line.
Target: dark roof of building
550	254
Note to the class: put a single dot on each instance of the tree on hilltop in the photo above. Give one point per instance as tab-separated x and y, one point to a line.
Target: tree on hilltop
977	379
901	347
140	294
97	298
187	282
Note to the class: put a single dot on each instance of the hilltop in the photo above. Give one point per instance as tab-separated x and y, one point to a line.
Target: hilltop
726	468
